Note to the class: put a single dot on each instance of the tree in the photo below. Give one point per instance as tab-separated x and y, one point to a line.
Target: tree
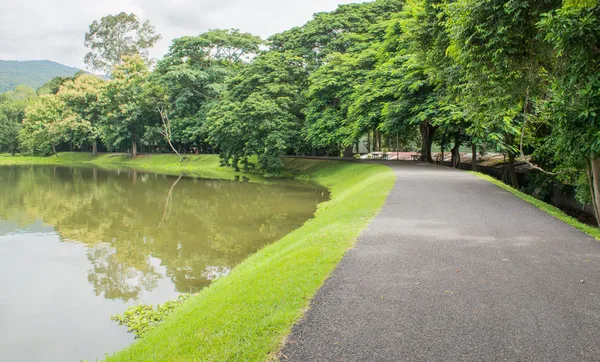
82	95
156	96
574	33
498	47
410	95
53	85
337	49
228	46
12	111
48	122
328	97
124	111
9	131
193	76
347	29
115	37
260	114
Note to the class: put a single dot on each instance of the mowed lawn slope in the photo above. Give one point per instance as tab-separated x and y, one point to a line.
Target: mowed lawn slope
246	315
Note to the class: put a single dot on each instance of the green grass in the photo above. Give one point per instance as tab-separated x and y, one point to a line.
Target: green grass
246	315
554	211
206	166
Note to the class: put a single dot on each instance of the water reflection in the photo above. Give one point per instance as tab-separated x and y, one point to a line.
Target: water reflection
135	225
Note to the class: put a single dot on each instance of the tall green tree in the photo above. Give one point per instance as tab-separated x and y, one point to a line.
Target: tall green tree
82	96
115	37
329	96
49	122
193	76
574	33
498	46
347	29
12	112
261	114
125	114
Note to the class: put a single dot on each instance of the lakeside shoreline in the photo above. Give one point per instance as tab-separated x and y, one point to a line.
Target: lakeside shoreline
247	314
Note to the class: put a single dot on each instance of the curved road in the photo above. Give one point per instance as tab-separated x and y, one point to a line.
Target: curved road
454	268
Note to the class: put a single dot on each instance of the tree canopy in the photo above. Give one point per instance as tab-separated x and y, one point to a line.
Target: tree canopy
520	78
116	36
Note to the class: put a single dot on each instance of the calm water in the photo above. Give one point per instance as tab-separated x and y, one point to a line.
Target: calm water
80	244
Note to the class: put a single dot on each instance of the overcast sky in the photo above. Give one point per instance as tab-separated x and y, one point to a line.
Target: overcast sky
54	29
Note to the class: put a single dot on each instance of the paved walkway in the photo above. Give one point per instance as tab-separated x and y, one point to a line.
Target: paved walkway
456	269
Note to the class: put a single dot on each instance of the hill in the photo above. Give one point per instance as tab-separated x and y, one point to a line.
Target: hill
33	73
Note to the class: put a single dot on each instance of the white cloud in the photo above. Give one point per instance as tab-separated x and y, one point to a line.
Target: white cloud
54	29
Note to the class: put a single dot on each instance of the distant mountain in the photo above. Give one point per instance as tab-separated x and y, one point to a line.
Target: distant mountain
33	73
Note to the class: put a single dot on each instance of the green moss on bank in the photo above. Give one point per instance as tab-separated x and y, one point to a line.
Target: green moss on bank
554	211
246	315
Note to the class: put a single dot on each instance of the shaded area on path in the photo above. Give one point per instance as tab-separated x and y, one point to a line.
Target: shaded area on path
456	269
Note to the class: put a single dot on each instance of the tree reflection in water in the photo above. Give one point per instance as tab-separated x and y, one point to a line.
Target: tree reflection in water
140	228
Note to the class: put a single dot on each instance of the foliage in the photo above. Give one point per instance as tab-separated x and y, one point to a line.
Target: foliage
142	318
53	85
125	112
348	29
12	111
48	122
574	108
502	55
193	76
260	115
82	96
115	37
519	77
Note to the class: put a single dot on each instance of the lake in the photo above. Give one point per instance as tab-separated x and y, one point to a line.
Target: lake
80	244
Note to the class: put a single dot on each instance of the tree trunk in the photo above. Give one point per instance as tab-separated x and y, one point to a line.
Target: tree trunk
374	141
95	148
427	133
348	151
456	151
474	156
134	149
174	150
442	147
12	151
595	186
513	173
368	142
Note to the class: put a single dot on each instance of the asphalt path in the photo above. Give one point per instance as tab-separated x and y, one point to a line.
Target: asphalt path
454	268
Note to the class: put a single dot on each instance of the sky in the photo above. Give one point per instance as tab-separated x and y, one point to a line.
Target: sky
55	29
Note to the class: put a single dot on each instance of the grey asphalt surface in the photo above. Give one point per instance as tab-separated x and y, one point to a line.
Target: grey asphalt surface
454	268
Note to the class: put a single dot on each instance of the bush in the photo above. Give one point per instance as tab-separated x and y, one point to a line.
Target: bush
140	319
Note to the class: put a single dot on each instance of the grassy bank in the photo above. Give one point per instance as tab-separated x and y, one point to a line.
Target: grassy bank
246	315
194	165
552	210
